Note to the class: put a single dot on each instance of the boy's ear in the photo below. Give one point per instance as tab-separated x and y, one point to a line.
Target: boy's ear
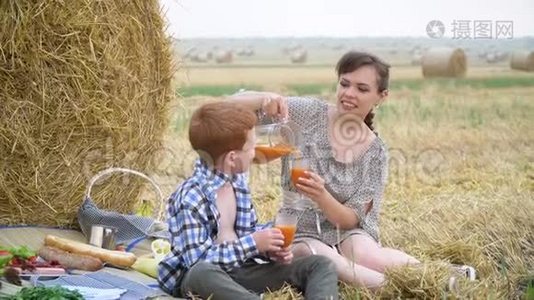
231	158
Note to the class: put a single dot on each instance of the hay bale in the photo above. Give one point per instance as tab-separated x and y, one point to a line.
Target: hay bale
249	51
444	62
190	52
416	59
292	48
501	55
203	56
492	58
415	49
86	85
522	60
299	56
223	57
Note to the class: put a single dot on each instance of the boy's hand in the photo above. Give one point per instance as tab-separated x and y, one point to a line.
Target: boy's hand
284	256
268	240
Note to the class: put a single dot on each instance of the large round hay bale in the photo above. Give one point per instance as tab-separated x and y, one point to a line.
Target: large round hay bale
444	62
522	60
86	85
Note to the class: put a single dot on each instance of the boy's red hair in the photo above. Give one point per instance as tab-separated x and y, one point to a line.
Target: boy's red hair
219	127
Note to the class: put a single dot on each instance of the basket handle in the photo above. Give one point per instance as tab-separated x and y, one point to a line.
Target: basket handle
105	172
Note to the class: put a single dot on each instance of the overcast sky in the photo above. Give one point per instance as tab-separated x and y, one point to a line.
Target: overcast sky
336	18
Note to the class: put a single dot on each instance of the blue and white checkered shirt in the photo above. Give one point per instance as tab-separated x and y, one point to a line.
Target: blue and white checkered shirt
193	221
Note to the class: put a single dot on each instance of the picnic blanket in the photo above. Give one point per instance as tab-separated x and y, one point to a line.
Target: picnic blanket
106	280
33	237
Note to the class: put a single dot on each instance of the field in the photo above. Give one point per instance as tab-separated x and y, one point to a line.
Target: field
461	170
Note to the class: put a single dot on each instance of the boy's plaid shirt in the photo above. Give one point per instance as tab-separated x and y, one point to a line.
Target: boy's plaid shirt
193	224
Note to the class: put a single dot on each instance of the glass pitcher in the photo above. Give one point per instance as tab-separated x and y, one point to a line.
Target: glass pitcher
276	140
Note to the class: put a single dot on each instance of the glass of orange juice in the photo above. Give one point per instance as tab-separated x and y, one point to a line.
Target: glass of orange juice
287	223
299	165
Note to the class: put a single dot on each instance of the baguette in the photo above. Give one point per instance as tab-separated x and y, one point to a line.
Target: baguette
117	258
70	260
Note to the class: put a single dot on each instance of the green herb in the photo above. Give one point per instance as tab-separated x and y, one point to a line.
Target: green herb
22	251
50	293
4	259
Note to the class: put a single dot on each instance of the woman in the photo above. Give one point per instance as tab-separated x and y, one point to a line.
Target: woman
338	215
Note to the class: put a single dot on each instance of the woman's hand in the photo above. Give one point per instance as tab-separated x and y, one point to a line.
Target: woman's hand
335	212
275	106
272	104
312	187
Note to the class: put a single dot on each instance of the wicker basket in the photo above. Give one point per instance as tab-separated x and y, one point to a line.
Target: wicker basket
129	226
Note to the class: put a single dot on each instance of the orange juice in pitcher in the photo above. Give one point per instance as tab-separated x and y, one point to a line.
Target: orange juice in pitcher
267	153
276	140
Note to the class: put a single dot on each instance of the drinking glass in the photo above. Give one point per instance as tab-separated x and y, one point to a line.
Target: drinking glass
287	224
298	166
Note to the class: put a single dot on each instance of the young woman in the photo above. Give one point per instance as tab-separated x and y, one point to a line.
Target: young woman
338	202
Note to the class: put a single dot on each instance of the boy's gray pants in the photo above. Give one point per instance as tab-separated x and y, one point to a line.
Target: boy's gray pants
314	275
